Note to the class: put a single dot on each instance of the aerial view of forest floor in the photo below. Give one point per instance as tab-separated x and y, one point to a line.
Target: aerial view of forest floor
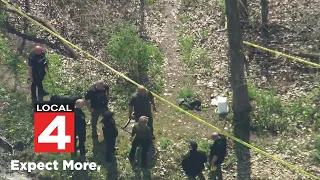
183	45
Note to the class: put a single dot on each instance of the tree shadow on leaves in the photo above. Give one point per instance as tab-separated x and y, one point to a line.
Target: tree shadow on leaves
144	173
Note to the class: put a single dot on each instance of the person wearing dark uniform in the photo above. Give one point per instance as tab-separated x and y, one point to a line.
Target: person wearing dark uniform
140	104
218	152
110	134
98	95
193	162
142	136
38	64
80	127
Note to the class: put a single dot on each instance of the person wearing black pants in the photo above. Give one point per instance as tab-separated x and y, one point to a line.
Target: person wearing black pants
142	103
110	134
98	96
142	136
193	162
80	127
38	64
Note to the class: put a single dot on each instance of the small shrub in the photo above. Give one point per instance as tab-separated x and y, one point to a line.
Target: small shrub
204	34
6	52
317	143
185	92
201	58
186	46
268	110
3	17
164	143
60	81
317	146
205	146
184	18
188	3
141	60
317	124
150	2
16	117
222	6
134	55
270	114
230	161
191	55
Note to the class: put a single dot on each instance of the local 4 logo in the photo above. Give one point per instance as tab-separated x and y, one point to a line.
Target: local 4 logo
54	128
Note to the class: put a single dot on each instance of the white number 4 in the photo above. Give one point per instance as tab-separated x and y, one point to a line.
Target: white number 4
61	139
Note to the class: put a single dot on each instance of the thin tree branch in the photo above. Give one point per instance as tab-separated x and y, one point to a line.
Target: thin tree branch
47	24
14	31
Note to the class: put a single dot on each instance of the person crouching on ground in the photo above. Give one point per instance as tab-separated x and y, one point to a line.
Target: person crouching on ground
110	133
142	136
80	127
193	163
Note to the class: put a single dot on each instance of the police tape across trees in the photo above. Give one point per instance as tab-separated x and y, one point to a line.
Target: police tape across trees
54	133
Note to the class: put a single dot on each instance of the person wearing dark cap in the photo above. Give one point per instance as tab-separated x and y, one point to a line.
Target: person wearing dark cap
218	152
38	65
110	134
193	162
80	127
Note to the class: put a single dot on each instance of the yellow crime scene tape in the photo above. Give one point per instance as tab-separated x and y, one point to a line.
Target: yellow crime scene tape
282	54
292	167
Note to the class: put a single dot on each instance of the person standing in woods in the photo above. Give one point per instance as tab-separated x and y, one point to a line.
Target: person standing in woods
110	133
38	65
218	152
80	127
98	95
140	104
193	162
141	136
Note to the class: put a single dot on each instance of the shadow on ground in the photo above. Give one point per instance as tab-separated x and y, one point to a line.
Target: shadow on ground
99	157
144	174
80	175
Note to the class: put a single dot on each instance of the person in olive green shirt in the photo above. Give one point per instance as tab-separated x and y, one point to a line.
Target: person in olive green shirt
141	136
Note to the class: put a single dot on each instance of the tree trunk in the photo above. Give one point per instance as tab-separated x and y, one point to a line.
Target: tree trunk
243	9
142	30
241	106
264	17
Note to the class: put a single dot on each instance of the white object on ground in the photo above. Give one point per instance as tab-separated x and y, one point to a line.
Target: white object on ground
221	103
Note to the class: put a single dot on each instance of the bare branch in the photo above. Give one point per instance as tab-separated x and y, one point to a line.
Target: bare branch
14	31
47	24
